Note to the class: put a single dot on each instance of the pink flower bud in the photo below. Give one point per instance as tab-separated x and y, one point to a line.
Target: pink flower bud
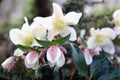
55	56
9	63
88	56
63	50
32	60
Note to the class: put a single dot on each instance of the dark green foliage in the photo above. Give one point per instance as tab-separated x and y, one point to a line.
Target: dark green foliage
79	60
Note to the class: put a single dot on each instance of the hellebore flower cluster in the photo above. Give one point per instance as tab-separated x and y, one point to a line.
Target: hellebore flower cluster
44	28
44	41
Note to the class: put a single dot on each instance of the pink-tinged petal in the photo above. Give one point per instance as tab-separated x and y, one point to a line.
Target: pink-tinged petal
53	54
94	52
61	61
91	43
46	22
109	48
38	31
108	32
51	34
8	62
31	59
57	11
15	36
88	57
69	30
72	18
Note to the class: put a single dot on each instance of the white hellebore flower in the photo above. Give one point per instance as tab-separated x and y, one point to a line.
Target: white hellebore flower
102	39
26	36
116	19
32	60
8	62
55	56
60	24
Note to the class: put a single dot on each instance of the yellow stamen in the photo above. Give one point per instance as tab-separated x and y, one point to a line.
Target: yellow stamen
59	24
99	38
28	40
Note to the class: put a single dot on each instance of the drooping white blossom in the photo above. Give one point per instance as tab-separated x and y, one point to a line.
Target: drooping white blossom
32	60
26	36
101	39
60	24
55	56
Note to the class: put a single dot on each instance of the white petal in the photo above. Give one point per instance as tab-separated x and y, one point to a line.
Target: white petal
18	52
109	48
117	30
51	34
98	48
91	44
88	57
61	61
108	33
38	31
53	54
69	30
82	33
57	11
36	66
93	31
116	13
25	28
72	18
44	21
15	36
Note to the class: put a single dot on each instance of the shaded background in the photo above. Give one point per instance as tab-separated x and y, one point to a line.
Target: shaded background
96	13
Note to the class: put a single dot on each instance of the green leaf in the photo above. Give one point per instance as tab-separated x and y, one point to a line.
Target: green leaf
45	44
24	48
79	60
62	40
99	65
112	73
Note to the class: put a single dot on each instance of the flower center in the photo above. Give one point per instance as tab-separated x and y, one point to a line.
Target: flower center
28	40
59	24
117	22
99	38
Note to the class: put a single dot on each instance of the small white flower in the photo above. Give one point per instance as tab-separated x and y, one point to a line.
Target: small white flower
32	60
55	56
8	62
60	24
26	36
102	39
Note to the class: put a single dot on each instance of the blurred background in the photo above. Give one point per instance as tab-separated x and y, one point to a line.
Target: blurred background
96	13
